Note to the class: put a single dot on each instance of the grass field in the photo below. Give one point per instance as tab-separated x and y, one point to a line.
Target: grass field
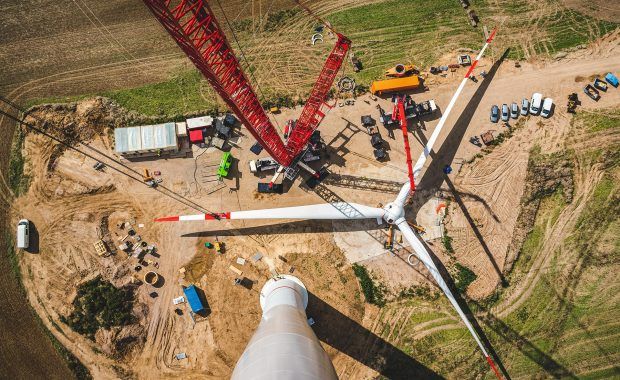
567	326
283	64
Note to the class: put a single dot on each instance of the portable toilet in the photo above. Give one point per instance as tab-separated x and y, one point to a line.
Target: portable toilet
193	299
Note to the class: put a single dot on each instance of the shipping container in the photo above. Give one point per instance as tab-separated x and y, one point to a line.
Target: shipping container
394	85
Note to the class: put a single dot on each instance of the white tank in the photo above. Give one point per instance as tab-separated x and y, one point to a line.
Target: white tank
284	346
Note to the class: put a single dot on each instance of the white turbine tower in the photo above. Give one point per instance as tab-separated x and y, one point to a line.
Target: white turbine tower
284	346
393	213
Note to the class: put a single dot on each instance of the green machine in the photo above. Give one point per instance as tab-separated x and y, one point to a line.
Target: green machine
225	163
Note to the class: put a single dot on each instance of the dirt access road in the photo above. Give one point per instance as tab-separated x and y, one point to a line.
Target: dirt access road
70	199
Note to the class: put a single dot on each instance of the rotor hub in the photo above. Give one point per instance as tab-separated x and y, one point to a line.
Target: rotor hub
393	212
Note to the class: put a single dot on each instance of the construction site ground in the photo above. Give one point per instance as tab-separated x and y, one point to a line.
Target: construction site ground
69	203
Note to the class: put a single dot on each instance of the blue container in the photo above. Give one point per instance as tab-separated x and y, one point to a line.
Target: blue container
193	299
611	79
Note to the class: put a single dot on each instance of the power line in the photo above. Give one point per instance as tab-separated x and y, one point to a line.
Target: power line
136	176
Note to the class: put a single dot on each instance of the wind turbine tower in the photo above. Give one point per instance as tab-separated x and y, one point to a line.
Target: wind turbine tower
284	346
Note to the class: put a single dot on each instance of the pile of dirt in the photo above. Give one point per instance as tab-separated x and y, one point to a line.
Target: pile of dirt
78	121
119	342
546	174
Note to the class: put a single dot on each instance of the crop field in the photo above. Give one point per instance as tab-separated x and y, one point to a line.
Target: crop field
282	63
560	321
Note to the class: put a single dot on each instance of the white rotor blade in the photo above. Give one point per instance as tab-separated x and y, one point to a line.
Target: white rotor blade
406	189
321	211
424	256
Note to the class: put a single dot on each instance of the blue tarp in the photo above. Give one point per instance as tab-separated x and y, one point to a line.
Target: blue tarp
193	299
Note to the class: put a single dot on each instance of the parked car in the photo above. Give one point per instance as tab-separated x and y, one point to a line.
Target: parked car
525	107
514	110
592	92
599	84
23	234
505	114
547	107
494	114
535	103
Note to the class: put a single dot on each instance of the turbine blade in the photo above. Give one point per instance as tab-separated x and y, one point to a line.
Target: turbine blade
424	256
404	193
321	211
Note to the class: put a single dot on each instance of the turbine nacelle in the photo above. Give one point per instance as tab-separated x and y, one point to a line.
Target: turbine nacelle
394	212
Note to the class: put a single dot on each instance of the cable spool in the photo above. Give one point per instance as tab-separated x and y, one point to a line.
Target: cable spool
346	84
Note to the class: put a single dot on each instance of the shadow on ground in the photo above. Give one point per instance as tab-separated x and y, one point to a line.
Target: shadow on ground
349	337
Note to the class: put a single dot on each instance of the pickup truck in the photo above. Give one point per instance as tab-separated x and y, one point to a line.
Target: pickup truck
263	164
414	110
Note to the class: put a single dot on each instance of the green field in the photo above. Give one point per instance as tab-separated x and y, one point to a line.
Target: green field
283	65
567	327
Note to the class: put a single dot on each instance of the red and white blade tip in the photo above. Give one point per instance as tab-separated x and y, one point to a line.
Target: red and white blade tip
492	364
492	35
181	218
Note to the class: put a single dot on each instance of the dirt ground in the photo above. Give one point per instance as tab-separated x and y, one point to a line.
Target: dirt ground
72	205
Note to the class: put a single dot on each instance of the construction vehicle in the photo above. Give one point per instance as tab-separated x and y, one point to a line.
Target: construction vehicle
224	167
413	109
389	243
380	87
473	18
386	118
464	59
266	188
217	245
263	164
394	213
288	128
600	84
420	229
355	62
400	70
573	102
592	92
148	178
197	32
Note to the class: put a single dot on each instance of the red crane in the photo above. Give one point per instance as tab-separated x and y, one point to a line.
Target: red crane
192	25
399	112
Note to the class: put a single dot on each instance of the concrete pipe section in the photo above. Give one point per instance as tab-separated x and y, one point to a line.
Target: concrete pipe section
151	278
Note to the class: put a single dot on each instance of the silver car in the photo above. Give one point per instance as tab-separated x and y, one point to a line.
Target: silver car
525	106
505	113
514	110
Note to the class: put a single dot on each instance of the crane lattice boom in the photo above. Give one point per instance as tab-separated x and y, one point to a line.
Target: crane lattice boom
192	25
313	111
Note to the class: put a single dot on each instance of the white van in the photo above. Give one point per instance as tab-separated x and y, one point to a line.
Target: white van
546	107
23	234
535	103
